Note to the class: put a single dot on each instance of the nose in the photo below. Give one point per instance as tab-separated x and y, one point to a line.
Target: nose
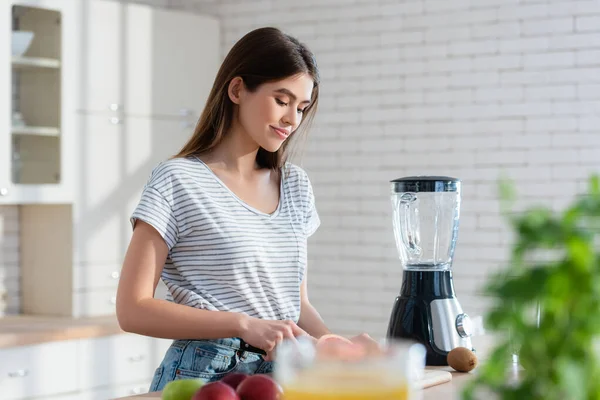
291	118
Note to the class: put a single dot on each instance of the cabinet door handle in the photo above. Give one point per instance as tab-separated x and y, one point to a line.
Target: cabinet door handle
113	300
3	191
20	373
115	275
137	358
116	121
184	112
114	107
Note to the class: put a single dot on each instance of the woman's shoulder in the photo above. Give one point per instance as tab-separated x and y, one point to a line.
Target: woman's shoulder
294	173
297	176
173	170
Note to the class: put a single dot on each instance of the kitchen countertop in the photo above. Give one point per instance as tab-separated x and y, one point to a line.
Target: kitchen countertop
22	330
448	391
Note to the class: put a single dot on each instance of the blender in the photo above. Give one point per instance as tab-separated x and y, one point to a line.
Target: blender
426	210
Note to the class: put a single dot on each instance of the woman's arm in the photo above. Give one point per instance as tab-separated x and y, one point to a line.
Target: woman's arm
310	320
139	312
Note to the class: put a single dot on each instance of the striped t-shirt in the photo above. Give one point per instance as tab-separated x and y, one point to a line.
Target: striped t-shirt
224	254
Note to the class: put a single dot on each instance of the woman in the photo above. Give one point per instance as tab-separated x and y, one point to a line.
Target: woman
225	222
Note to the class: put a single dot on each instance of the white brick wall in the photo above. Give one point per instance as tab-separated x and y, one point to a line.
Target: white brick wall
468	88
465	88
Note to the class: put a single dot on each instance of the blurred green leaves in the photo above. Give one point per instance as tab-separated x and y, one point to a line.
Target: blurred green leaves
558	356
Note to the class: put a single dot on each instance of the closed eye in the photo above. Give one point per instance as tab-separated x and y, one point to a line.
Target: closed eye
283	104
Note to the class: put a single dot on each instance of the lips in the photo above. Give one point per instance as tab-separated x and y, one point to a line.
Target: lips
281	132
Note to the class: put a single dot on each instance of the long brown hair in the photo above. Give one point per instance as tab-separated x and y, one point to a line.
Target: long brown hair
262	55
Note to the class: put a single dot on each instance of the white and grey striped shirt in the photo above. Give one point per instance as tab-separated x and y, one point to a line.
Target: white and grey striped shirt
224	254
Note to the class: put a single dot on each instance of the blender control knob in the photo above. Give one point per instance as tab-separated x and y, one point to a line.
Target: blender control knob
464	327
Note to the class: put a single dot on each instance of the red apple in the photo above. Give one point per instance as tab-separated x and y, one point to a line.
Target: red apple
215	391
259	387
234	379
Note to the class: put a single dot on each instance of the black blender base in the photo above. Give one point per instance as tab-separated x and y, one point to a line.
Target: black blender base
434	358
409	321
411	314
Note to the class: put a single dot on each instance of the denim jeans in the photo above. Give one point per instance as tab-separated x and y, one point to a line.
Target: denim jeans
209	360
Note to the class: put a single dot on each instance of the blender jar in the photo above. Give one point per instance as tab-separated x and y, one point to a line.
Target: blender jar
425	219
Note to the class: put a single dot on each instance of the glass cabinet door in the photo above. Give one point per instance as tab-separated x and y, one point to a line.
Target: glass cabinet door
36	100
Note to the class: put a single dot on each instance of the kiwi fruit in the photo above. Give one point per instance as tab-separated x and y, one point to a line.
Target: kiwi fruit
462	359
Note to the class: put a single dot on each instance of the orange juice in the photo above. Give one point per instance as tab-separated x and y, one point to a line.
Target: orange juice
325	384
401	393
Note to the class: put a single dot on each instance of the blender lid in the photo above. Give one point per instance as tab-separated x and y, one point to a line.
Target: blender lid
425	184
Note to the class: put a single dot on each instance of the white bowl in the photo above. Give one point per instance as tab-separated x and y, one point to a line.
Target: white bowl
21	40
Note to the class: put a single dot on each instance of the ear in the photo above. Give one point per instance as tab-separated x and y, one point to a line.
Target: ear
235	88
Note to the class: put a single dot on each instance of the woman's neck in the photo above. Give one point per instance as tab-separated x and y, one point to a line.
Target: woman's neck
236	153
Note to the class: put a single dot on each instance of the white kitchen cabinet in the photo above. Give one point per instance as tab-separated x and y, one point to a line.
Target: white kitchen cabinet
117	157
113	392
184	63
119	360
97	57
104	393
142	76
102	276
83	369
38	99
80	247
38	370
102	79
153	62
95	302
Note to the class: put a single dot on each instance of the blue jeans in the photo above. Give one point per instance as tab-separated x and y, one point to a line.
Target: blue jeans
209	360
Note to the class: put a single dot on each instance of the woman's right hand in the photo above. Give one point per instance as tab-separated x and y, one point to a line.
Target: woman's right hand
267	334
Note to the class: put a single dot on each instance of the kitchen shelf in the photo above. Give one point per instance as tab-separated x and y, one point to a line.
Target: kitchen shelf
35	130
35	62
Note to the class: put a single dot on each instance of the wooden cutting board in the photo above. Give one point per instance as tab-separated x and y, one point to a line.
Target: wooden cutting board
435	377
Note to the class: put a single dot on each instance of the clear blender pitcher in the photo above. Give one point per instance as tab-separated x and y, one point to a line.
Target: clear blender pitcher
426	212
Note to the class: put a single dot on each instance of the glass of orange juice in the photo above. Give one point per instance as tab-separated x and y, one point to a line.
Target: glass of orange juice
390	370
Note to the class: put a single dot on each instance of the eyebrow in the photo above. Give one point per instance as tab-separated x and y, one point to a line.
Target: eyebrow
292	95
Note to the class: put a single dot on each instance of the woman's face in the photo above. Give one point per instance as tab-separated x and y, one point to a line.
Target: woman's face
273	112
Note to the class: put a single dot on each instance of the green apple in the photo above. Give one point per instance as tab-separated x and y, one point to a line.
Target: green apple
181	389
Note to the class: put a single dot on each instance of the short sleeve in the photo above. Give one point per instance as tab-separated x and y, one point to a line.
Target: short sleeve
312	220
154	209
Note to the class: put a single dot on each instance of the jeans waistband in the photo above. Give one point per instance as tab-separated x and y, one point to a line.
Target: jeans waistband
234	342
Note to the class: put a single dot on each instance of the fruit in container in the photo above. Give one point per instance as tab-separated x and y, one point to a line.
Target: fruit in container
216	391
234	379
372	348
259	387
181	389
335	347
333	338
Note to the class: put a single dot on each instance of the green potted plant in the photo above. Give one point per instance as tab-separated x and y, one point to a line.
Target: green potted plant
558	357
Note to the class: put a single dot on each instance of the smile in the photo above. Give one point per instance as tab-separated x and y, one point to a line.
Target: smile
282	133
